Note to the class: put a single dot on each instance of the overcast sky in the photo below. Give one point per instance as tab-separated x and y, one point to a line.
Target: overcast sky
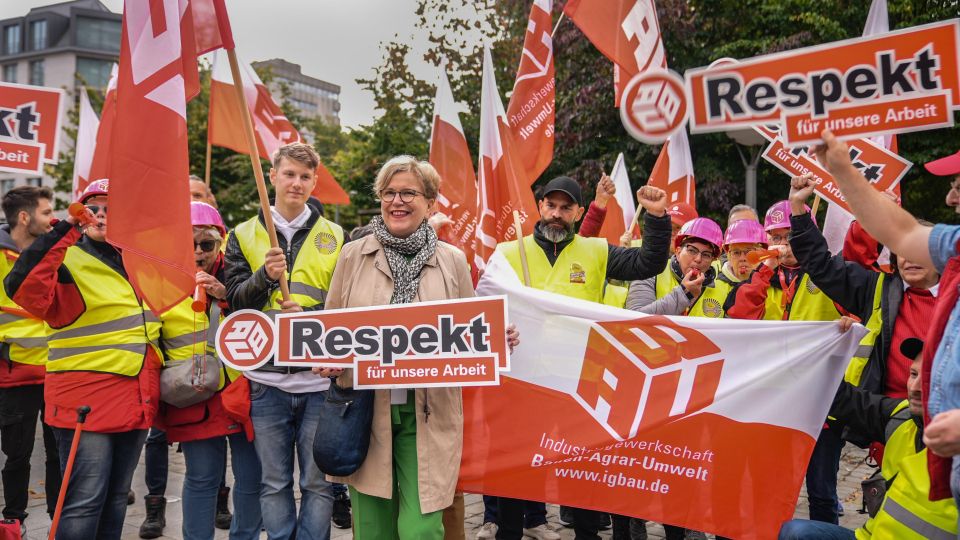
334	40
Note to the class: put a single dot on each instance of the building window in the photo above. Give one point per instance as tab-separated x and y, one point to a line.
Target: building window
6	185
11	39
38	35
10	73
36	72
94	73
99	34
36	182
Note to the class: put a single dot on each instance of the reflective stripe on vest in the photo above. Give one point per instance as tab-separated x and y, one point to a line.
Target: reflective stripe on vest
874	324
309	275
580	270
809	304
113	332
26	336
907	513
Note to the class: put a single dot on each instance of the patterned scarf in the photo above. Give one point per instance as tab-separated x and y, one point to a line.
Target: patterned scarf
418	247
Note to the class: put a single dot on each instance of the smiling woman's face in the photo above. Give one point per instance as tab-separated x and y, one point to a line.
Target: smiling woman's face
402	218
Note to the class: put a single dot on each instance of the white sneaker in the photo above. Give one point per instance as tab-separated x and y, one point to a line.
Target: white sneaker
541	532
488	531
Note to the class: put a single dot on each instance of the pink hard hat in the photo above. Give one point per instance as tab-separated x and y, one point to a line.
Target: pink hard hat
778	216
97	187
945	166
202	214
705	229
745	231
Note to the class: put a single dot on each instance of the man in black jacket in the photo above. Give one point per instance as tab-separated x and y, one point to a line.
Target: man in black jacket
887	304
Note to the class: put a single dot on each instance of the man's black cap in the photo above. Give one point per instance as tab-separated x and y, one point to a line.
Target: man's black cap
567	185
911	347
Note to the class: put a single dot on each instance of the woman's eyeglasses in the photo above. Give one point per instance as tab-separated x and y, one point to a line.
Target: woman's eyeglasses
406	195
205	245
95	209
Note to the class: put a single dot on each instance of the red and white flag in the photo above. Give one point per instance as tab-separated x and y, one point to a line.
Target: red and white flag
100	160
838	220
531	108
646	416
450	155
673	171
503	185
621	207
149	193
86	141
270	126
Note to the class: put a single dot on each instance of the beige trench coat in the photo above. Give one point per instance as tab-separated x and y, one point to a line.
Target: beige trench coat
363	278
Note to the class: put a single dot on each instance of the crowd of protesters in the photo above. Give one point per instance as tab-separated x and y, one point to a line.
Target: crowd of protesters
73	332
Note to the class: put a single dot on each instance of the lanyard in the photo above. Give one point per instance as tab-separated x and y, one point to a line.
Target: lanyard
788	292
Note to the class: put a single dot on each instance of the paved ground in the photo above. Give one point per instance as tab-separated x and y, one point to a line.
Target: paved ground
852	471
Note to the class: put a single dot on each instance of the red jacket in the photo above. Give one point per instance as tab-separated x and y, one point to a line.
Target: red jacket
40	283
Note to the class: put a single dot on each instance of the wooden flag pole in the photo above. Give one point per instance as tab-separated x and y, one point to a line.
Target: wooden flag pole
518	225
816	206
562	14
255	162
636	219
206	168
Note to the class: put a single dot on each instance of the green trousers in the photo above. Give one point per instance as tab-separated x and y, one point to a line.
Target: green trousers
398	518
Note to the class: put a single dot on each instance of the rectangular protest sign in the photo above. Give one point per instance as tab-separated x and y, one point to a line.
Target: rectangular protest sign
881	167
650	416
425	344
895	82
29	127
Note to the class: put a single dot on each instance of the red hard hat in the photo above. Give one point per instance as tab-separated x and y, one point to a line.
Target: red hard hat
97	187
682	212
945	166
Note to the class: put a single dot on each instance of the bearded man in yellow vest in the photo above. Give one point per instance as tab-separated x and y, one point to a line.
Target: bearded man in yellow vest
905	511
285	401
780	290
103	353
565	263
23	355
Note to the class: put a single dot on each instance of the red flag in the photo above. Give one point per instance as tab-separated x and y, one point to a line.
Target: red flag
503	187
450	155
100	162
270	126
211	27
531	108
327	190
149	193
673	171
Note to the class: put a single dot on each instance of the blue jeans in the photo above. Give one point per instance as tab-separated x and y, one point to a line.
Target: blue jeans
802	529
284	422
822	476
156	460
205	460
96	500
534	513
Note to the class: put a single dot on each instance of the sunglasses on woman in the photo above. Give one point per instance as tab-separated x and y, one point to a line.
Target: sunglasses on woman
205	245
95	209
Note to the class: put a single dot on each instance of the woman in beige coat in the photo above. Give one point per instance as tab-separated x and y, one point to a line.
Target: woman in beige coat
411	468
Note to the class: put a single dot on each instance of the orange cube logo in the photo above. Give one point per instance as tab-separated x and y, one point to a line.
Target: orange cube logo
646	371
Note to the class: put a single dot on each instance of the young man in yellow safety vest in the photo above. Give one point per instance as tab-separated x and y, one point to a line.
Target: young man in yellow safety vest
285	401
23	355
905	512
565	263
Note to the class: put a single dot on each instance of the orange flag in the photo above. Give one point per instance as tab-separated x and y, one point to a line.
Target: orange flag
270	126
149	194
531	108
503	186
450	155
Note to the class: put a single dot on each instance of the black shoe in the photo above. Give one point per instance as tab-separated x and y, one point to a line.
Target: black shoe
153	524
605	522
224	517
341	511
566	516
131	498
